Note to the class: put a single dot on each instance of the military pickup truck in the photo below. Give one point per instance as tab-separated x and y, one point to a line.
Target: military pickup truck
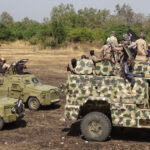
104	101
10	110
15	81
101	99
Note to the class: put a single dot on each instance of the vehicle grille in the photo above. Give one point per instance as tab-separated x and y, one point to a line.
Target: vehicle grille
52	94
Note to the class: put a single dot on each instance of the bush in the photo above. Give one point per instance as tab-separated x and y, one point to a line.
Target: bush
58	31
119	31
33	40
98	35
5	33
80	35
49	42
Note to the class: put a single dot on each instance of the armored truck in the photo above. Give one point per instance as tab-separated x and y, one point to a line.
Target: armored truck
101	98
34	93
15	81
104	101
10	110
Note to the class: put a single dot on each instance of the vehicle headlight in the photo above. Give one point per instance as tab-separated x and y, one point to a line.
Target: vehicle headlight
13	110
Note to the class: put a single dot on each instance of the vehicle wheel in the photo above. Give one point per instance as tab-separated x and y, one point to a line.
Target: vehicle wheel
96	126
33	103
1	123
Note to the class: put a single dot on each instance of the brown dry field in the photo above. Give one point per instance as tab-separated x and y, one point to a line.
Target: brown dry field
43	130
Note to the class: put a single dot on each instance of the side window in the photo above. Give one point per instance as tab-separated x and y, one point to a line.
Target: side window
27	81
16	87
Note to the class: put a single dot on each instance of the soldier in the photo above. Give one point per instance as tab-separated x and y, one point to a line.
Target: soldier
126	74
93	57
4	65
113	39
141	47
148	51
107	52
72	65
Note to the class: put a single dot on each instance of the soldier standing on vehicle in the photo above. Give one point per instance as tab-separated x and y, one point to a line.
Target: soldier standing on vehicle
113	39
141	47
107	51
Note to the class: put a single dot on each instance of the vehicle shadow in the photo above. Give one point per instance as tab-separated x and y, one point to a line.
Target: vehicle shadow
73	130
15	125
118	133
131	134
50	107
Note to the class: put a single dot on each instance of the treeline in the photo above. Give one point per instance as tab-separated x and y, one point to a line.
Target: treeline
65	25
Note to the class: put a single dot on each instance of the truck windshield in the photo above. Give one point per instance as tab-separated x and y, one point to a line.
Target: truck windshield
35	80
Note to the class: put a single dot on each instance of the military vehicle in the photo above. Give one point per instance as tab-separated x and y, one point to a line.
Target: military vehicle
102	99
15	81
10	110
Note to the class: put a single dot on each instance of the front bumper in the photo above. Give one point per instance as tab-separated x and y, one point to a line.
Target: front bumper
48	101
13	117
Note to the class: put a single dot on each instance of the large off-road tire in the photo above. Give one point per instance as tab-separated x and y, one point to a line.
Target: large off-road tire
96	126
1	123
33	103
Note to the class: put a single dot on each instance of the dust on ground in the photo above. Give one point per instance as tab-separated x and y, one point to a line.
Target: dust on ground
43	130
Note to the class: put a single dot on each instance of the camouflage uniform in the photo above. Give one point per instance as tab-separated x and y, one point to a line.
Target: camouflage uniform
106	51
141	49
113	40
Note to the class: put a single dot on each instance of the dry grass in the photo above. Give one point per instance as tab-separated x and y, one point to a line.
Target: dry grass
57	59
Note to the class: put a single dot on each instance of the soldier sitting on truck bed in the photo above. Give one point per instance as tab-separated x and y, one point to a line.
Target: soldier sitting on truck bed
73	63
93	57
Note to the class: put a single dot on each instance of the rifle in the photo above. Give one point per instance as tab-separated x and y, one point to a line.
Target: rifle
112	51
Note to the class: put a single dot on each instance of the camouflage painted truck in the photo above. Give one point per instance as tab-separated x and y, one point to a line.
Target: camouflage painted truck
10	110
102	99
15	81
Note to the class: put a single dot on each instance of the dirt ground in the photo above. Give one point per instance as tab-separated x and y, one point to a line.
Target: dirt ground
43	130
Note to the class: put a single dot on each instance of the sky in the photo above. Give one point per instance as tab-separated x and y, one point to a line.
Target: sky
38	9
